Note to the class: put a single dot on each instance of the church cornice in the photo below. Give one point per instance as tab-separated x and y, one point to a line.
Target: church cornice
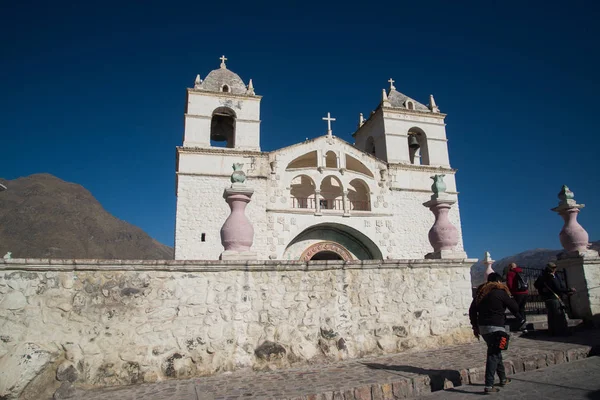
221	151
250	175
225	95
257	121
429	114
424	168
401	189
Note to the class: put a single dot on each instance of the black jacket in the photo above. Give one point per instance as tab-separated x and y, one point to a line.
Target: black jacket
491	309
547	283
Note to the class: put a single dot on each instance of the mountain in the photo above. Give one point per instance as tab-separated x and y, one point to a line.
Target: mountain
46	217
537	258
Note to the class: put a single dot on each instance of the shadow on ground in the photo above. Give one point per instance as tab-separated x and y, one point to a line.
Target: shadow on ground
438	377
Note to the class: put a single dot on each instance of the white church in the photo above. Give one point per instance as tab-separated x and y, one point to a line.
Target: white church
322	199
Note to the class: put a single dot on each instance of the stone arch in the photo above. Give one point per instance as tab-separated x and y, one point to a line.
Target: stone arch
370	146
331	160
222	127
359	195
308	160
345	238
331	195
302	192
419	156
353	164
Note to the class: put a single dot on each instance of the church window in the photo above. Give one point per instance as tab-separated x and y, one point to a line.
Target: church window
359	195
352	164
302	192
308	160
203	237
222	128
418	150
370	146
225	89
331	194
410	105
330	160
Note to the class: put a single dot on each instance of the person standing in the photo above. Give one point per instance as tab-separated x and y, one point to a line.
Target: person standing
518	286
551	291
487	316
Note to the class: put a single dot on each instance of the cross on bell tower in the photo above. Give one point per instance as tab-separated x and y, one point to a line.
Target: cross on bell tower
223	59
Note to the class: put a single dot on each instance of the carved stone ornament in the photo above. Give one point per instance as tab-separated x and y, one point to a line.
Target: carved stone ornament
326	246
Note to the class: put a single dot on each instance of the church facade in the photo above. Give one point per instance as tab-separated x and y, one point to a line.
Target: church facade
322	199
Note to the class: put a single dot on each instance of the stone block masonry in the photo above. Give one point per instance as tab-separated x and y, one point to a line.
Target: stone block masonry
107	322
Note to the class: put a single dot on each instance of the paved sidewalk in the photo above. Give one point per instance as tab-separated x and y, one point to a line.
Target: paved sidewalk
577	380
396	376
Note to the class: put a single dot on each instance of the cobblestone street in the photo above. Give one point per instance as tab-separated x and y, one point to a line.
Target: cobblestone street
573	381
403	375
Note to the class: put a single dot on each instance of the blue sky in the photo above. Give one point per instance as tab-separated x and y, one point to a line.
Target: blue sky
93	92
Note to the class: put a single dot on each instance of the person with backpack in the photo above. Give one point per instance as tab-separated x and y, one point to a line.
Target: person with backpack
551	290
518	287
488	319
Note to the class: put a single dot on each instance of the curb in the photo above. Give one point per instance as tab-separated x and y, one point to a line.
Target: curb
425	384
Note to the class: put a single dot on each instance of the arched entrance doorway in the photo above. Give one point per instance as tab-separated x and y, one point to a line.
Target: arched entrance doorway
326	251
331	241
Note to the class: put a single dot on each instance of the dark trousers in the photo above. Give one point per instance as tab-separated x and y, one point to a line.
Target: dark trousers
494	363
521	299
557	319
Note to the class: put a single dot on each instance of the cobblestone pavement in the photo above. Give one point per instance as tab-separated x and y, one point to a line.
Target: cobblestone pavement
577	380
402	375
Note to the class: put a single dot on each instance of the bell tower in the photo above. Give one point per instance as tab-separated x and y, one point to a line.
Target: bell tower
403	131
222	111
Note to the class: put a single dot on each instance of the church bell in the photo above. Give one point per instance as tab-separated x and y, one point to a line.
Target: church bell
413	142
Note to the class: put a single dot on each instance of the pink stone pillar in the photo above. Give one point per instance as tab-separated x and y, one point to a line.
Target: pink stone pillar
573	238
443	236
487	260
237	233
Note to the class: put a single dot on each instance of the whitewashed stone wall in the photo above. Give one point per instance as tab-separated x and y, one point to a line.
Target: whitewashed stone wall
140	321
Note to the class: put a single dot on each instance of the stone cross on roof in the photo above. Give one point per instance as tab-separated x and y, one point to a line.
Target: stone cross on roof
328	119
391	81
223	59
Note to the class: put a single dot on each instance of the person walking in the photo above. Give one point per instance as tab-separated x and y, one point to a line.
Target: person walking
518	287
551	290
487	316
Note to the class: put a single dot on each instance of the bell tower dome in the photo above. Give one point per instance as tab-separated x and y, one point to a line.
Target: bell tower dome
222	111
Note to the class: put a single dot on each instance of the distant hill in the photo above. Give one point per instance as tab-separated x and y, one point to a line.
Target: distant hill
537	258
44	216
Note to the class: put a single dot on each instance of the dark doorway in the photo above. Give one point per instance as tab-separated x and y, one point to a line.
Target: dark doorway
326	255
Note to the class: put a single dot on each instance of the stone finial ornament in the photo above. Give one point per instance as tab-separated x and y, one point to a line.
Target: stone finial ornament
384	98
432	106
361	120
238	176
197	81
438	187
250	89
573	238
8	256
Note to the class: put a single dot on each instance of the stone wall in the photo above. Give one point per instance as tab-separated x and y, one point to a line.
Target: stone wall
106	322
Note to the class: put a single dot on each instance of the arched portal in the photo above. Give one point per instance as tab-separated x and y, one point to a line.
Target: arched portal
326	251
345	241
